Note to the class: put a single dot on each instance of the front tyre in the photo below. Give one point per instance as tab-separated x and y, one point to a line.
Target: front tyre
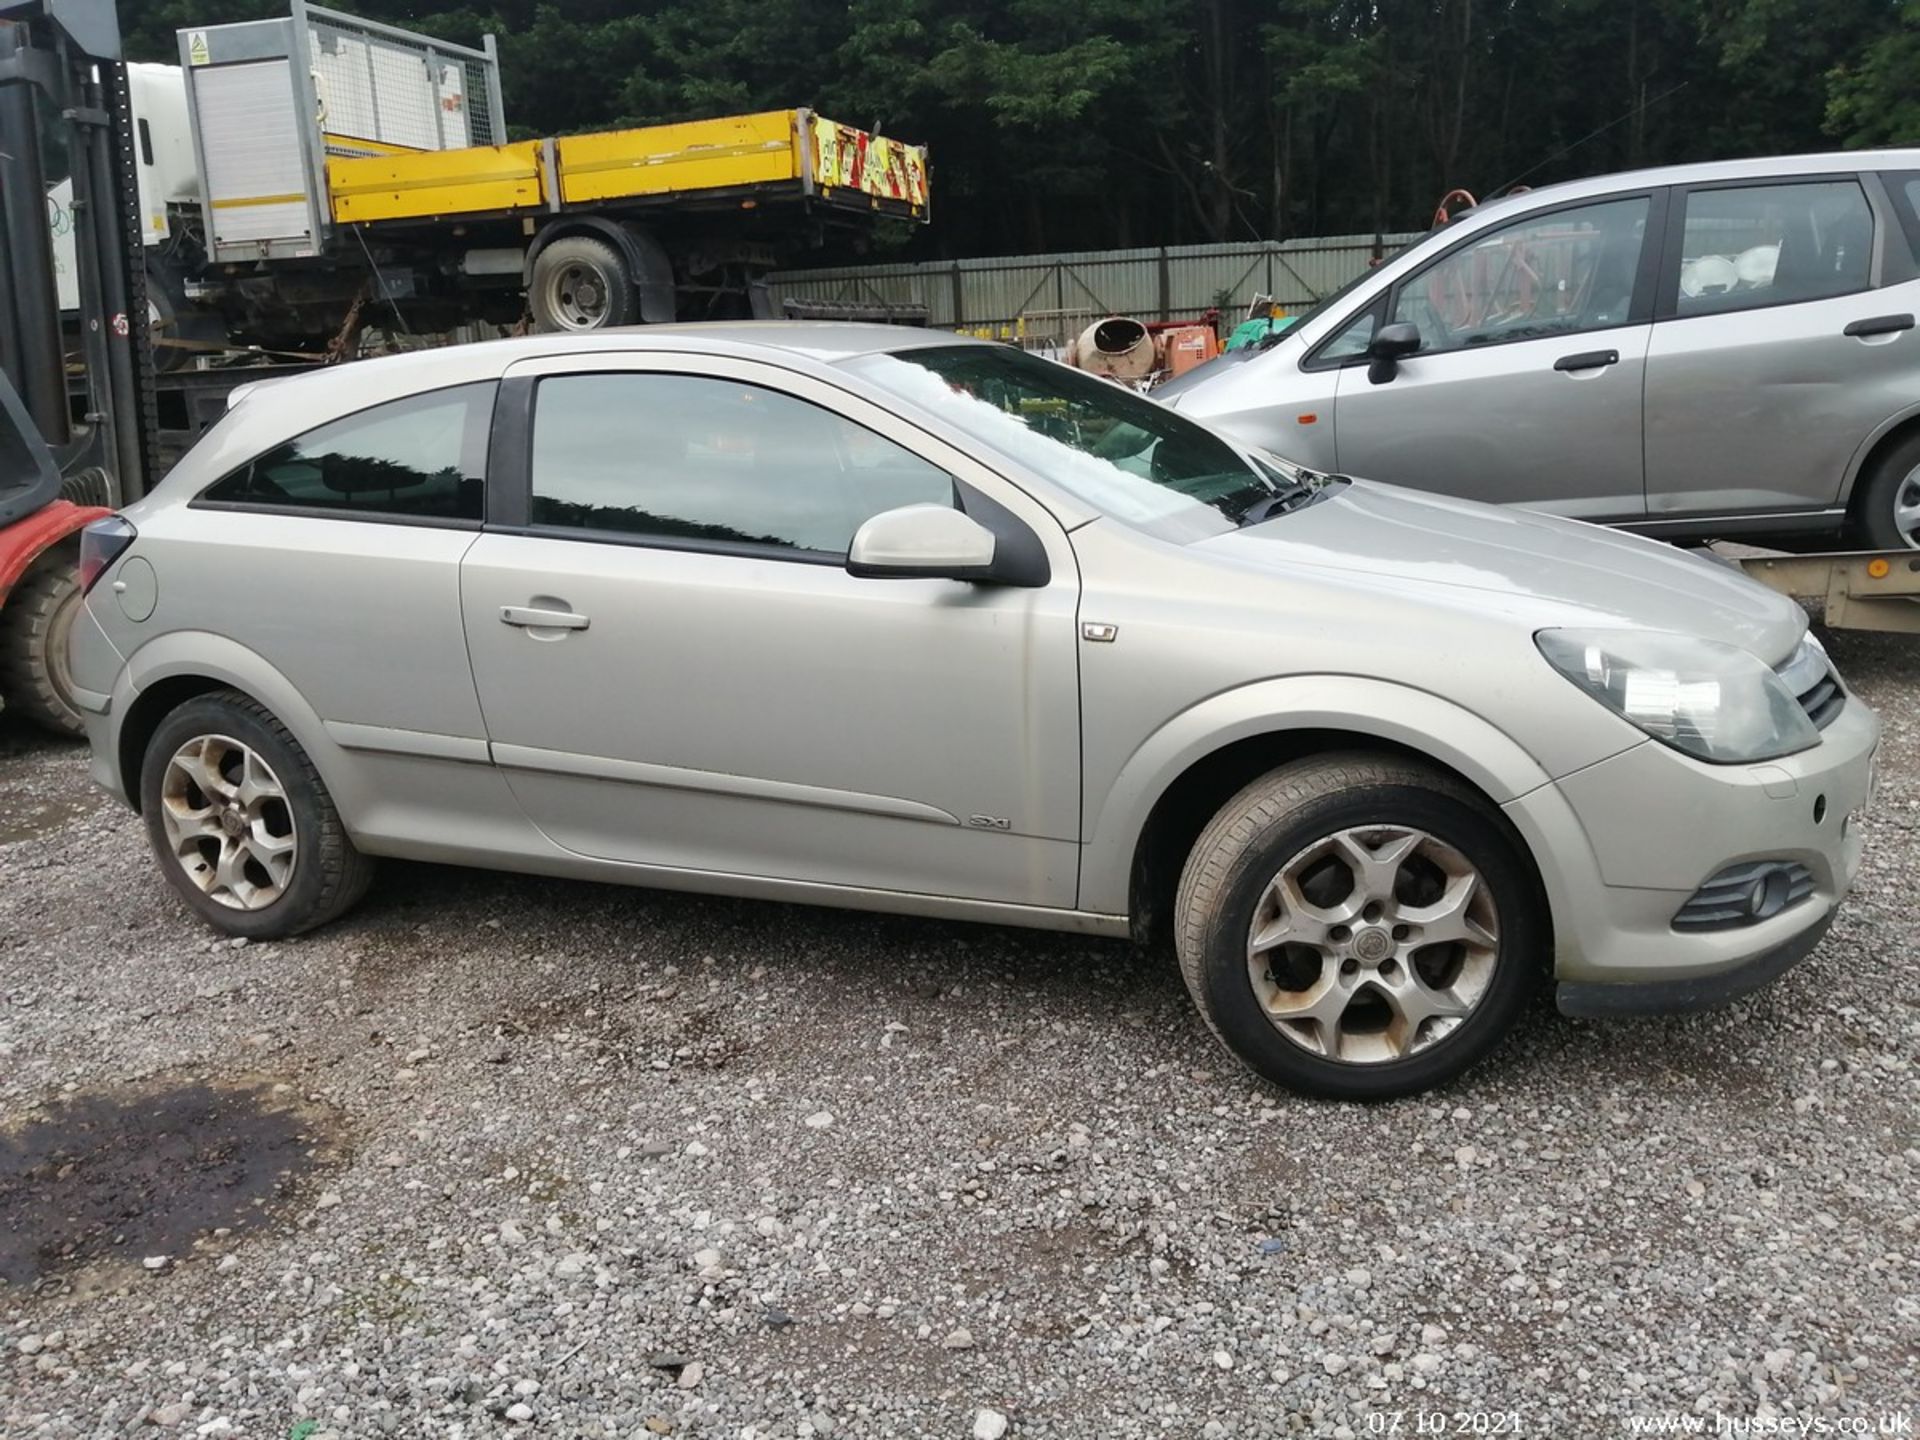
241	824
1358	927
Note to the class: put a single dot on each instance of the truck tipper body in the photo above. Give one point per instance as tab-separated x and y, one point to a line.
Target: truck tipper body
305	176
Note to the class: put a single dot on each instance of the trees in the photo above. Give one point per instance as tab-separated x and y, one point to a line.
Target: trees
1873	97
1069	124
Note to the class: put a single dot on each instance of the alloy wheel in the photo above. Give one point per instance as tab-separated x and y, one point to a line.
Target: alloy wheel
228	823
1372	944
1906	508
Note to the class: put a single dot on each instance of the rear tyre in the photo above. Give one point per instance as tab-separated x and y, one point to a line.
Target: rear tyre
580	283
1886	507
241	824
35	622
1358	927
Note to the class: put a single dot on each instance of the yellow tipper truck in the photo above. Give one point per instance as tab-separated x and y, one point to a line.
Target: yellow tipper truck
347	170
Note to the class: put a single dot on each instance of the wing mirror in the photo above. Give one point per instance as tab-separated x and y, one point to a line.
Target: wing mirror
1390	346
922	542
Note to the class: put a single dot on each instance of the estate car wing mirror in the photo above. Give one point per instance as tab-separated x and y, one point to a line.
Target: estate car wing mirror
1392	344
926	542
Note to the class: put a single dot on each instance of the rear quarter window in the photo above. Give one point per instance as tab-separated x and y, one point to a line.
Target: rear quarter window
424	457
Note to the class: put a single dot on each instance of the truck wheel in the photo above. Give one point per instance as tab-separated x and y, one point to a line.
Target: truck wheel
1357	926
34	624
580	283
172	316
1886	509
241	823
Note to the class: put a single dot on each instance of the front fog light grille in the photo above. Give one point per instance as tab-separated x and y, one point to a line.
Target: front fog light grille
1745	894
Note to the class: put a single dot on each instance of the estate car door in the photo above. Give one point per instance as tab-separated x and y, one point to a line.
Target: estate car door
1775	356
676	669
1526	388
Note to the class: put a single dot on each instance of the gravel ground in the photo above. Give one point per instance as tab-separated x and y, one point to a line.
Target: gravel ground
500	1154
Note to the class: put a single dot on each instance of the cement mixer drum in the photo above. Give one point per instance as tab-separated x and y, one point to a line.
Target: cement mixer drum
1117	346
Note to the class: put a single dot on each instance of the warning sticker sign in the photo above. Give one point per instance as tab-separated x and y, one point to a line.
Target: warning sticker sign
197	53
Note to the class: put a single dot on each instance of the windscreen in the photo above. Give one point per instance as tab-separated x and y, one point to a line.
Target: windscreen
1121	453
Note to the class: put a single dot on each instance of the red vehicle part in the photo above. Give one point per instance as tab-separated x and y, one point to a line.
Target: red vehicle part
25	541
39	596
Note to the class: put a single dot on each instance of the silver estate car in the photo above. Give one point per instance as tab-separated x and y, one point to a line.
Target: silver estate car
895	621
1695	352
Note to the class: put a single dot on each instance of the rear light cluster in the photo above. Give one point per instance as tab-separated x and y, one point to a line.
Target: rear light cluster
102	543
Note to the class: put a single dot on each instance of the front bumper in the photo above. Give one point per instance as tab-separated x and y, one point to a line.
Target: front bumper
1596	1000
1623	844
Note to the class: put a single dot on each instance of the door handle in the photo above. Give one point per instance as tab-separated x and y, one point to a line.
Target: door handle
1587	360
1879	325
532	619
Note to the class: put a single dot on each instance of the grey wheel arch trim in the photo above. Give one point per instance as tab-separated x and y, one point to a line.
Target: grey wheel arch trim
1360	707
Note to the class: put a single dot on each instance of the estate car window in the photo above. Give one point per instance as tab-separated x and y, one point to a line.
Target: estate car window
1754	245
694	458
1549	275
424	456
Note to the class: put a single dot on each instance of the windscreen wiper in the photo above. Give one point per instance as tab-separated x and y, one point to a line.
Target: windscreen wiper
1282	502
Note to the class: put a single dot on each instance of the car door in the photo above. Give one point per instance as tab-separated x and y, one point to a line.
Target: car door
1784	338
1527	386
676	669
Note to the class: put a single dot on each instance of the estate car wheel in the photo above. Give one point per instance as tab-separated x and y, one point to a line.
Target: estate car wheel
241	824
1886	514
1357	926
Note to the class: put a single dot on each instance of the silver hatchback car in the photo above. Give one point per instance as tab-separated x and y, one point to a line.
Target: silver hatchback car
894	621
1695	352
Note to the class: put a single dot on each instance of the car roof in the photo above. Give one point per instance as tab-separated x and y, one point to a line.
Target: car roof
827	342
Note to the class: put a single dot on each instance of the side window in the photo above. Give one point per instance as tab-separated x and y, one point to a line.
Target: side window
1756	245
1352	340
693	458
423	456
1550	275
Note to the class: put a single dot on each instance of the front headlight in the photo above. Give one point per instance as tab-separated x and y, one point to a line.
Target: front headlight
1713	701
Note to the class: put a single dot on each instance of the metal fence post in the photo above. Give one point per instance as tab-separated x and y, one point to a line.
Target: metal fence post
1166	286
959	292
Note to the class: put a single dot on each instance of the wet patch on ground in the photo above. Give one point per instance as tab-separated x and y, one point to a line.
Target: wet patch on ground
28	816
135	1174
